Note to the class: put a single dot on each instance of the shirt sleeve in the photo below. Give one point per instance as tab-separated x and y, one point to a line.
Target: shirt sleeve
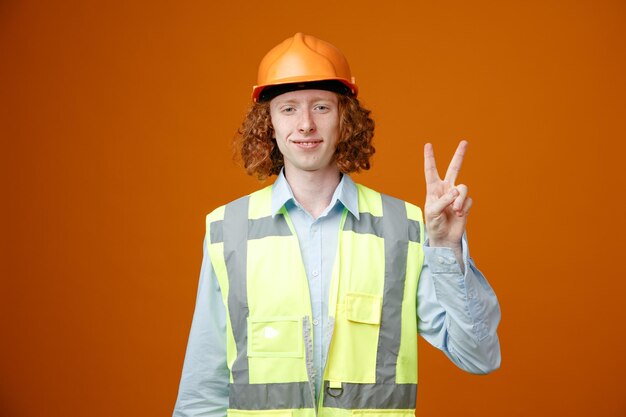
204	384
458	312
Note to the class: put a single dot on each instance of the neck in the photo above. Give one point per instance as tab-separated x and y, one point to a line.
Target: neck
314	189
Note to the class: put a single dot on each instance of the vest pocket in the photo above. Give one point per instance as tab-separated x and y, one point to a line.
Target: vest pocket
275	337
353	349
363	308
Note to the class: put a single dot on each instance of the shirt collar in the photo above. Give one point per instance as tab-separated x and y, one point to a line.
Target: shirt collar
346	193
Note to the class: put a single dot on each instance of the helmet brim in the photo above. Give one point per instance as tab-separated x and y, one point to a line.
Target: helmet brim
264	93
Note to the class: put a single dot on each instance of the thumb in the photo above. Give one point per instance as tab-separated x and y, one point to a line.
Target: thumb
439	205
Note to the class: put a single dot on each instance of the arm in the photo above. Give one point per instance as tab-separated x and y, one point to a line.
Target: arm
458	313
204	384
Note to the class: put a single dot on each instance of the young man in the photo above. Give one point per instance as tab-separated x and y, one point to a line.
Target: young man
312	290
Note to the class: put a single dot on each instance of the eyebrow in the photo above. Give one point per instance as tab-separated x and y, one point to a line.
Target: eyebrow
314	99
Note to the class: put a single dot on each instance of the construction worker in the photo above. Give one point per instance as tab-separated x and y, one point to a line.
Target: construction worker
312	290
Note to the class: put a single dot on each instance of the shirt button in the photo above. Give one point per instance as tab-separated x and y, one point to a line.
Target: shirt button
440	260
316	322
315	273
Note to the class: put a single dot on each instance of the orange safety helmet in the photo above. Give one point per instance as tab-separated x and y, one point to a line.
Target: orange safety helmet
300	62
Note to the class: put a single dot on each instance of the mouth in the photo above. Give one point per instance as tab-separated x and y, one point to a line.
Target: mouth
307	143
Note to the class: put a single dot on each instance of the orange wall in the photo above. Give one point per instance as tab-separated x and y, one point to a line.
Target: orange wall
116	121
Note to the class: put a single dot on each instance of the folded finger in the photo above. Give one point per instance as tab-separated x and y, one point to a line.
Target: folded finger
466	207
436	207
460	200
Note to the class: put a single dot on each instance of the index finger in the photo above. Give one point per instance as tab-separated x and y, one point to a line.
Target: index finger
456	162
430	168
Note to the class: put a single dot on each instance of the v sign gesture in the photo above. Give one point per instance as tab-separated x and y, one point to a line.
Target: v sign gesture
447	204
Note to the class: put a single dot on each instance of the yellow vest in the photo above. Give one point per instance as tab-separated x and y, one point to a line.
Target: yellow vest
371	368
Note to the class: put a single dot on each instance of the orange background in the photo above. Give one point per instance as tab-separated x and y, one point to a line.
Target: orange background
116	123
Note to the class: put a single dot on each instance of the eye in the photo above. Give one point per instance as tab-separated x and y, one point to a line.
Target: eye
322	107
288	109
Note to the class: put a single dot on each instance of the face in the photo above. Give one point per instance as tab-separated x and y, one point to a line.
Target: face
306	128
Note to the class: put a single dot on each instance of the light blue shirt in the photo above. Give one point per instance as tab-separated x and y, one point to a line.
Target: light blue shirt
458	312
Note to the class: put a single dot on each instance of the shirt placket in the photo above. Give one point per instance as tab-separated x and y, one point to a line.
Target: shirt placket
315	284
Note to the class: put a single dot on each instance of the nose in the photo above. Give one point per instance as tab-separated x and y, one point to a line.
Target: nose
306	124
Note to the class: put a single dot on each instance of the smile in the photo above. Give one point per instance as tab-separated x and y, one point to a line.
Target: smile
308	144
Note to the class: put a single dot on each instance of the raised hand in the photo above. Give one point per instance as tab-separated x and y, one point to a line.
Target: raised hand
447	204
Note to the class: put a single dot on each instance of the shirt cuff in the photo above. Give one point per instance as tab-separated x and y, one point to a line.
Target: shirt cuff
442	260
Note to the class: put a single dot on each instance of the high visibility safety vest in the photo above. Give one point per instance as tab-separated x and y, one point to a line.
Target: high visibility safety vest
371	368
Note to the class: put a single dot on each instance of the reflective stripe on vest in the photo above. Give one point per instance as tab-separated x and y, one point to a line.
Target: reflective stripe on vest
235	230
